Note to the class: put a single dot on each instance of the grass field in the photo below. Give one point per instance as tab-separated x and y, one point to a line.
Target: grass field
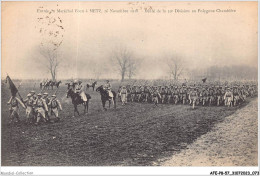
132	135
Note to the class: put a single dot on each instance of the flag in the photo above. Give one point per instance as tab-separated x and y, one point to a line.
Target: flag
204	80
12	87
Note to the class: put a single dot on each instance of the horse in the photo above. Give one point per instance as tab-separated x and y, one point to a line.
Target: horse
76	100
57	84
105	97
47	85
93	85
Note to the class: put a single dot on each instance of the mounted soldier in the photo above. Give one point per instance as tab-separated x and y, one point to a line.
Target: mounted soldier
80	89
108	88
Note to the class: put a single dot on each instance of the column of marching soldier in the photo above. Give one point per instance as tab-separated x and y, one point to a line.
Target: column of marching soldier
193	95
41	107
37	107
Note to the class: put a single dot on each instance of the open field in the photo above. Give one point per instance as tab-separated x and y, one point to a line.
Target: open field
132	135
233	142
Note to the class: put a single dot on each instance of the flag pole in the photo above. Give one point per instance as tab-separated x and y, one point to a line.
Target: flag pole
16	88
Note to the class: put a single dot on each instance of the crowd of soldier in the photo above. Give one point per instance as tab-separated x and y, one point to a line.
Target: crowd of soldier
41	107
38	107
205	95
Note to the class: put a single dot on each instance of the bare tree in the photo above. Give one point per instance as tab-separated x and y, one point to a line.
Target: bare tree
122	58
51	31
52	61
175	66
132	68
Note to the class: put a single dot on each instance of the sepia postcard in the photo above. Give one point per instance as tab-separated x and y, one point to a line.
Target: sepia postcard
159	84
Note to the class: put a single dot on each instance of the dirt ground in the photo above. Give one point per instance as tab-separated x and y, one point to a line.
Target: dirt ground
233	142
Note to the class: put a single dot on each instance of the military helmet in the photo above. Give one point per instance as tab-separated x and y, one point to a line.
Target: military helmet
39	94
32	91
45	93
29	95
53	95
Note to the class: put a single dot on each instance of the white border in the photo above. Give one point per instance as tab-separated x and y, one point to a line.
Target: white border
129	170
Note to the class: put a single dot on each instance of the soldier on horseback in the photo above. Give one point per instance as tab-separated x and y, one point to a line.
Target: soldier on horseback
108	88
79	89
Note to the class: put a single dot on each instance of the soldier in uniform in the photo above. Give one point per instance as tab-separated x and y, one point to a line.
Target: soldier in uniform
128	97
133	94
123	93
41	107
236	95
14	109
193	97
33	95
55	106
183	94
108	88
219	96
119	94
205	95
228	97
156	96
47	100
168	94
138	93
176	95
146	92
211	96
163	94
80	89
29	108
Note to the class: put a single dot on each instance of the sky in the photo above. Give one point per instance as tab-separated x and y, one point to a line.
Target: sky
89	39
